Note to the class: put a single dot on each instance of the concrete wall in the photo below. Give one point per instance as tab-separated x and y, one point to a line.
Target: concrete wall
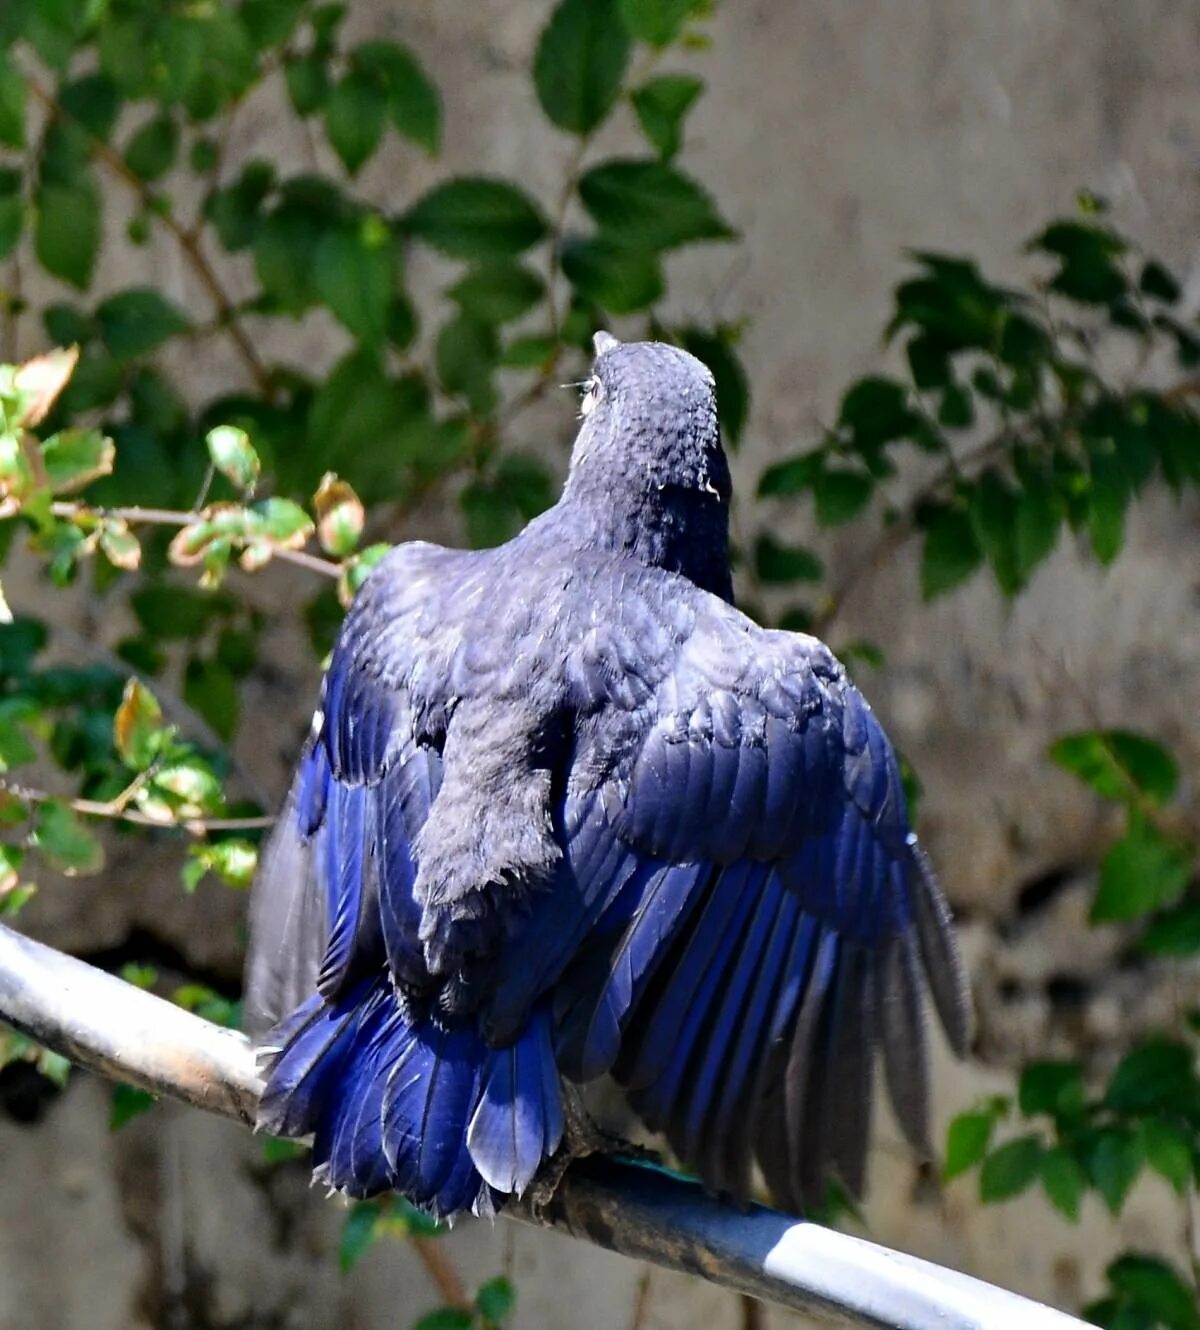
834	135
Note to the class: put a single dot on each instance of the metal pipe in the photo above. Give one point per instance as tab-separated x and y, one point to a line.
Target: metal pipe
109	1026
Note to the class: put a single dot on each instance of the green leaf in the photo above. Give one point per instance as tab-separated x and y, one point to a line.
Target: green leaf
152	150
580	63
661	106
1143	871
1113	1161
496	1299
138	321
67	230
1108	499
210	689
1010	1169
1063	1181
475	217
498	292
1118	763
1158	282
61	837
445	1318
993	510
1039	516
93	101
307	80
619	280
841	495
1175	933
340	516
1157	1287
12	213
173	612
358	1232
138	726
716	350
876	411
658	22
67	325
967	1141
270	22
414	105
285	248
1054	1088
1086	252
354	114
794	475
128	1102
74	458
776	562
650	205
528	352
951	551
232	453
354	276
1168	1151
12	104
466	355
1156	1076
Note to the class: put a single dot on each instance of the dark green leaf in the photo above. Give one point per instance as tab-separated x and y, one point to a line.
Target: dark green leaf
496	1300
498	292
64	840
1157	1287
1063	1181
414	105
152	150
307	81
994	515
1117	763
967	1141
841	495
658	22
467	351
650	205
138	321
1159	1075
1054	1088
92	101
12	213
234	210
1010	1169
1039	516
174	611
528	352
67	325
474	217
580	63
1168	1151
12	104
1175	933
1107	502
1086	252
716	350
876	411
661	106
358	1232
792	476
354	276
270	22
210	689
1143	871
776	562
445	1318
67	230
1114	1159
128	1102
354	114
951	551
1158	282
285	250
617	279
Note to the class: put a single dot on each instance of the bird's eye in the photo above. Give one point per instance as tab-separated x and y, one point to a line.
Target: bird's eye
592	392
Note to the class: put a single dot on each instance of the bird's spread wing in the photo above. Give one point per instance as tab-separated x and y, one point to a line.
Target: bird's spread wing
741	916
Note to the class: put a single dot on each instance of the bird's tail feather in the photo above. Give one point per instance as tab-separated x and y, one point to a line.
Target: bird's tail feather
412	1102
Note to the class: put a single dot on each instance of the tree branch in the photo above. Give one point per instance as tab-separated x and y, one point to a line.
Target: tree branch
103	1023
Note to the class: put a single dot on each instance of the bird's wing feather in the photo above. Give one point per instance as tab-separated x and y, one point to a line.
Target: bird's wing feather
741	912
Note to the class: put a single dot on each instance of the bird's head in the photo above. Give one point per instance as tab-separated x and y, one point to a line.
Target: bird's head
649	415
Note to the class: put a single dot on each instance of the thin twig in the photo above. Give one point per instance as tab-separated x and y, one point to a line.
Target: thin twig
442	1273
188	243
171	517
115	810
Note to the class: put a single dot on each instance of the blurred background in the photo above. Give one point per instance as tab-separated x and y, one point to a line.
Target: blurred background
241	214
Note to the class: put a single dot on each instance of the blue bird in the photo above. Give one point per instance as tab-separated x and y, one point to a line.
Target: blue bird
565	812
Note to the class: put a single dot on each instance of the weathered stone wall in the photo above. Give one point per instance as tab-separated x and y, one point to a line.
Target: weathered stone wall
834	136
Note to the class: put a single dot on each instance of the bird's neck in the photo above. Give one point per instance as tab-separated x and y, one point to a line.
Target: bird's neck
679	530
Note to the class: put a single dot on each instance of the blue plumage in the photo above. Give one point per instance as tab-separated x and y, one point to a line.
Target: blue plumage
564	812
